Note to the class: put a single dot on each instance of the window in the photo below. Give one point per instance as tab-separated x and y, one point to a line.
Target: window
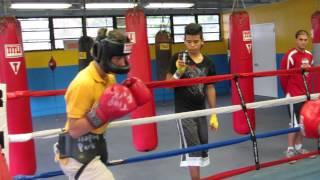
94	24
179	22
35	33
66	29
210	27
121	23
155	24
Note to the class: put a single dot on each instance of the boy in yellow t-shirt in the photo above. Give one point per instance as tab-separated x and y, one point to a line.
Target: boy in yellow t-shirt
93	99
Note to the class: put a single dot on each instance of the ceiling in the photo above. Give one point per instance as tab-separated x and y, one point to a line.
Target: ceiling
201	7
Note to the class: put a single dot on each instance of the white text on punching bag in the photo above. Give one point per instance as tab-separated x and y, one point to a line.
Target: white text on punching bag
13	50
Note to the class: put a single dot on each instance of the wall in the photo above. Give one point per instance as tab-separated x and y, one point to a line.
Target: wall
288	17
40	77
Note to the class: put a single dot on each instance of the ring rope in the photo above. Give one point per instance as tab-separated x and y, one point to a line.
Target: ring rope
176	83
263	104
170	153
242	170
161	118
38	176
221	175
183	82
214	145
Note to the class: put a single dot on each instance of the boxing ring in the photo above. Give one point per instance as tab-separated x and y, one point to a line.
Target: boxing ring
260	170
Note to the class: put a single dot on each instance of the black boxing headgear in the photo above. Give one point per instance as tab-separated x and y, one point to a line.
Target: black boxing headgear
105	49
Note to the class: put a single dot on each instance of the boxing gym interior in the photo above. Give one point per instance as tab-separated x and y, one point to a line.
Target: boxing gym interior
44	44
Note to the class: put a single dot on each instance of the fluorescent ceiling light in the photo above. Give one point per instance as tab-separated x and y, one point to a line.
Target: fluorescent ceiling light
40	6
110	5
206	8
169	5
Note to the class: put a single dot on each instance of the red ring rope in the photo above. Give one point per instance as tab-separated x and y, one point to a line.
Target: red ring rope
246	169
174	83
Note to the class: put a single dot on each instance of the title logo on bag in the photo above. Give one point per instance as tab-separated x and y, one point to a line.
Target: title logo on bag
132	36
13	50
15	66
249	47
246	35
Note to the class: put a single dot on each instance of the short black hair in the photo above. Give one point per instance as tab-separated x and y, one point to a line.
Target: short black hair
301	32
193	29
118	36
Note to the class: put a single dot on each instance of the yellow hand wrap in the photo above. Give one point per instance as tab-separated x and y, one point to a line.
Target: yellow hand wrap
180	69
214	123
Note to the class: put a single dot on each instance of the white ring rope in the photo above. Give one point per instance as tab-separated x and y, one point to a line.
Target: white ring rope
139	121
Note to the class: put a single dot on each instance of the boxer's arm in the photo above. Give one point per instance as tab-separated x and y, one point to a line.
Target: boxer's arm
211	95
177	68
169	76
180	69
76	108
115	102
79	127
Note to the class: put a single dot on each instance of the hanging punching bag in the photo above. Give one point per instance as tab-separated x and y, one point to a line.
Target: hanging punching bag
241	62
145	137
4	175
163	47
84	44
315	21
13	73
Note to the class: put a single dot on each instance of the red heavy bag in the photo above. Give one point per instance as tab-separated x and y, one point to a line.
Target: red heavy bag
4	172
241	62
13	73
145	137
315	21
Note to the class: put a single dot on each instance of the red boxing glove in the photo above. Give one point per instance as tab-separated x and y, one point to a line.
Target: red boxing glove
310	119
115	102
139	90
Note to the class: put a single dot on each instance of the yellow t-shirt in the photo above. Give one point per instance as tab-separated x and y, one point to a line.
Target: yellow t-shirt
84	91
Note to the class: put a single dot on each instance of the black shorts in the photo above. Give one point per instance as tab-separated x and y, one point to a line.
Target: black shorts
193	132
294	114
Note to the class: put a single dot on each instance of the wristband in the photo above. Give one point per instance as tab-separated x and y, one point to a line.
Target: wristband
177	75
93	119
